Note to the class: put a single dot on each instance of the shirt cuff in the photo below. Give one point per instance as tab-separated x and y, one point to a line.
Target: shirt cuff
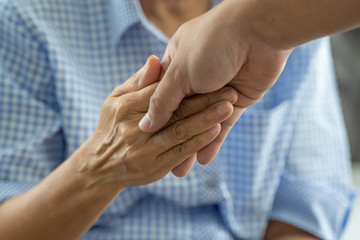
317	209
9	189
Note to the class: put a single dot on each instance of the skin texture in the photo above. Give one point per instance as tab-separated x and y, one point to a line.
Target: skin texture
283	231
70	199
243	44
249	48
168	15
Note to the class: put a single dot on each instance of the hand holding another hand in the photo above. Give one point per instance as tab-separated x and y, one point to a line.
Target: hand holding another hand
218	48
120	153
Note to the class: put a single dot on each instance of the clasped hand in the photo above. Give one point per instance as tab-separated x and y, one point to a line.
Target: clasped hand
120	153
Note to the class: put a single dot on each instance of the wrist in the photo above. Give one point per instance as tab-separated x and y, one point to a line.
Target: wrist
258	21
66	194
87	167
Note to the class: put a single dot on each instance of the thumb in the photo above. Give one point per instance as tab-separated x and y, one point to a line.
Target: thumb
151	72
147	75
165	100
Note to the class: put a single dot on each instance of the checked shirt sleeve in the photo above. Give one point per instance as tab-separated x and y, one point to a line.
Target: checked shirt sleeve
31	141
315	191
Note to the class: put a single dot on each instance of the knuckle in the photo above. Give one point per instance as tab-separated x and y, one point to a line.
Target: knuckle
186	108
176	116
135	80
180	150
121	108
180	132
117	89
181	113
199	142
159	167
157	161
110	106
204	101
206	119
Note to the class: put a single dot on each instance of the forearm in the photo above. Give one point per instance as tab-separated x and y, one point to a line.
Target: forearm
283	231
63	206
286	24
67	202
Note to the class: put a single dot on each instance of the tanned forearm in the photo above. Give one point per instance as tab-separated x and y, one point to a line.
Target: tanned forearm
68	201
286	24
63	206
283	231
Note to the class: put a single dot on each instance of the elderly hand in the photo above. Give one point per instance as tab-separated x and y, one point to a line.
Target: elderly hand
122	154
204	55
117	155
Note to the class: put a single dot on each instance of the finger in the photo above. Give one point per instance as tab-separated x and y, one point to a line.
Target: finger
165	100
176	155
135	102
151	73
166	60
196	104
147	75
208	153
185	129
183	169
192	106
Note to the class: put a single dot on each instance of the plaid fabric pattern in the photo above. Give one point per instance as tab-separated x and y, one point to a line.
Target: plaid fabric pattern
286	158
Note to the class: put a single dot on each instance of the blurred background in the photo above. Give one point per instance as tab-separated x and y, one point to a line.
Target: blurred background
346	53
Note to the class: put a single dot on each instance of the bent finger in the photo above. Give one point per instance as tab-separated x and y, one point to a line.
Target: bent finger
208	153
165	100
147	75
196	104
176	155
185	129
183	169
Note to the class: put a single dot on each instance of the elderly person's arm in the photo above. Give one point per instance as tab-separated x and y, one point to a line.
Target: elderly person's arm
69	200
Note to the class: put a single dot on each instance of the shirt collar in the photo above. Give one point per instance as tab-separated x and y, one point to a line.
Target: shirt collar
122	15
125	13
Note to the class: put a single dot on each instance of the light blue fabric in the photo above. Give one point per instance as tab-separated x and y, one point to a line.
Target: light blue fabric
286	158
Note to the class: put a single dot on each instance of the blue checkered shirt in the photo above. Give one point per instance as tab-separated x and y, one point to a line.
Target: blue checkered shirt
285	159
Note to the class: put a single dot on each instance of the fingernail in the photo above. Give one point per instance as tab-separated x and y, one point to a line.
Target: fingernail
154	57
146	65
145	122
222	109
151	56
147	62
